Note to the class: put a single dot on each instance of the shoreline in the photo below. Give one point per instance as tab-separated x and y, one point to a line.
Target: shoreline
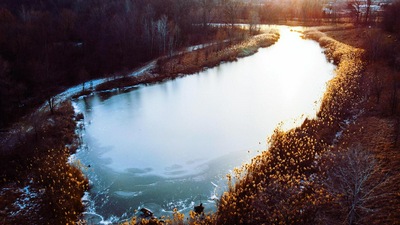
290	159
38	184
162	69
145	77
341	118
294	173
25	129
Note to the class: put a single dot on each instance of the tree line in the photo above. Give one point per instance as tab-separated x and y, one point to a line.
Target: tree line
48	45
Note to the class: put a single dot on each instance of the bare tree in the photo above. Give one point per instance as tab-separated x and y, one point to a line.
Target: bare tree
355	182
273	11
331	10
83	76
206	9
311	9
52	102
377	82
174	34
355	7
254	20
162	33
368	11
374	45
360	10
230	9
148	25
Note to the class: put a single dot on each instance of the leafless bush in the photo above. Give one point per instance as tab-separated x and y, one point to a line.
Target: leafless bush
356	183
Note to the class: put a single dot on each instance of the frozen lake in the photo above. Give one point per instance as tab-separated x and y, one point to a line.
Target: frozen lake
169	145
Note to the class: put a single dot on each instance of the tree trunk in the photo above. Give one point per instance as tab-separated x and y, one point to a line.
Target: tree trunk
367	11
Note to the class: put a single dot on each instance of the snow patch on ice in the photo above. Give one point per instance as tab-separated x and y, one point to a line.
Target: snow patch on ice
26	202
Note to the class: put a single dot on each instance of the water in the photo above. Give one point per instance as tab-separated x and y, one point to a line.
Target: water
170	145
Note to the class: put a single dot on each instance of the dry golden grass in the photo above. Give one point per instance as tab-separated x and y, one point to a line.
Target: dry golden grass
195	61
39	163
177	218
282	185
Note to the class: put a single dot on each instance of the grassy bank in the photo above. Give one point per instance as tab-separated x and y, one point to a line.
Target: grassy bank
295	181
38	185
308	174
376	129
211	56
190	62
279	185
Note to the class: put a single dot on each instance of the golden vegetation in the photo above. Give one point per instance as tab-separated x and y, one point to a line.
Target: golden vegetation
195	61
307	174
39	164
178	218
190	62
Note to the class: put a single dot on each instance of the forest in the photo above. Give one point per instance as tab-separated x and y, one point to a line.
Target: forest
309	175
